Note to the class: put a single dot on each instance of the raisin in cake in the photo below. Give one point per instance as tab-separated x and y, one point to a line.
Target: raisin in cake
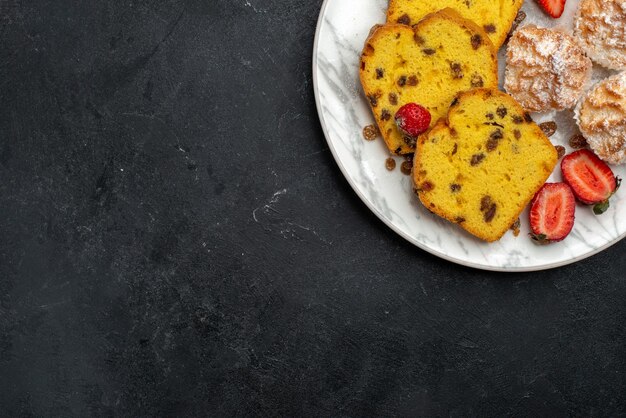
428	64
494	16
481	166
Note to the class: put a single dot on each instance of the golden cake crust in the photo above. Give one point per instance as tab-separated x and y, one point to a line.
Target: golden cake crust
600	25
427	64
545	69
601	117
481	166
495	17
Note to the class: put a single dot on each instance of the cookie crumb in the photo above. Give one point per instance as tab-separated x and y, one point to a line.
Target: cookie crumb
516	227
390	164
370	132
406	168
577	141
521	16
548	128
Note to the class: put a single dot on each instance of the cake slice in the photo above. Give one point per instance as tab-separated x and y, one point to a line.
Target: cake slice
427	64
494	16
482	165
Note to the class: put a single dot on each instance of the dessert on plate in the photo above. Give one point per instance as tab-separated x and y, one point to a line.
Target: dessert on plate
494	16
427	64
482	165
601	117
546	69
430	77
601	27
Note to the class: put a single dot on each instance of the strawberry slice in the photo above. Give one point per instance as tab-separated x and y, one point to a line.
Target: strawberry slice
553	7
591	179
552	213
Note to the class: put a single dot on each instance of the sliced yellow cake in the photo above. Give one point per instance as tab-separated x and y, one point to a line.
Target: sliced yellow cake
494	16
482	165
427	64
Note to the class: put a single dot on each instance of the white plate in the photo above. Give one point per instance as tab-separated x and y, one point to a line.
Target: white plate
341	31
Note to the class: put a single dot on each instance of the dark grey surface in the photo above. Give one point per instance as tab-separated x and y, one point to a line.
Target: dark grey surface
176	240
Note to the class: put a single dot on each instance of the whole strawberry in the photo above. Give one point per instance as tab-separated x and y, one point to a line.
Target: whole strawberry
591	179
412	119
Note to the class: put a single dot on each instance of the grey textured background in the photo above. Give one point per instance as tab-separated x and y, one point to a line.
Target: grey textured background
176	240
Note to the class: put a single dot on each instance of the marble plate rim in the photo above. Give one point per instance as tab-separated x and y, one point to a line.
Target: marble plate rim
399	231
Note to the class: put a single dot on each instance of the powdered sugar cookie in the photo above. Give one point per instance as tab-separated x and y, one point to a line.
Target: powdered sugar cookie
546	69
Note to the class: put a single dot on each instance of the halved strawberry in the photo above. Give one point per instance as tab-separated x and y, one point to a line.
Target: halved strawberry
552	213
553	7
591	179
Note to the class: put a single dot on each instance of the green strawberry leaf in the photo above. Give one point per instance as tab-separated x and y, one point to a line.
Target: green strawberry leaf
601	207
541	239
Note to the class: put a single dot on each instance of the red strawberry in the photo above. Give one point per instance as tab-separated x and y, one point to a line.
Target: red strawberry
412	119
553	7
552	213
591	179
